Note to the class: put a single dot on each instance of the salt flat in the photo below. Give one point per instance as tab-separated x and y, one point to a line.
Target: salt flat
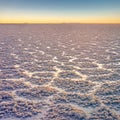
59	72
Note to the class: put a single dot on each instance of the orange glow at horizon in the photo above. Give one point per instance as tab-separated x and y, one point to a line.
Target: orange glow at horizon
51	18
59	20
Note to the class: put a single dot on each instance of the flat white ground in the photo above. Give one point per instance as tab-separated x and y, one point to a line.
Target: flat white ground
60	72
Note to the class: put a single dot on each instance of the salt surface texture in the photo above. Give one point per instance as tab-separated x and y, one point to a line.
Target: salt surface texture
60	72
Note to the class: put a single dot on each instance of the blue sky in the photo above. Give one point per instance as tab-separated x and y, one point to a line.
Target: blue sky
45	10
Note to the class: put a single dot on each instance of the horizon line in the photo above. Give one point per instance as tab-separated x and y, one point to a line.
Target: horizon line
56	23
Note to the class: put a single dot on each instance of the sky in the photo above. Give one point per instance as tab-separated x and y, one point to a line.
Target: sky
59	11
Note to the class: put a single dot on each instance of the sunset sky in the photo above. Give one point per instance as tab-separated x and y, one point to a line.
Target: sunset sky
59	11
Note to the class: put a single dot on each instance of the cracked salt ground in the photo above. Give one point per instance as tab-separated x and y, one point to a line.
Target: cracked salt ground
60	72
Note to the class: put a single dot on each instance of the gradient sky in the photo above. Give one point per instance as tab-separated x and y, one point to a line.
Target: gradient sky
59	11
